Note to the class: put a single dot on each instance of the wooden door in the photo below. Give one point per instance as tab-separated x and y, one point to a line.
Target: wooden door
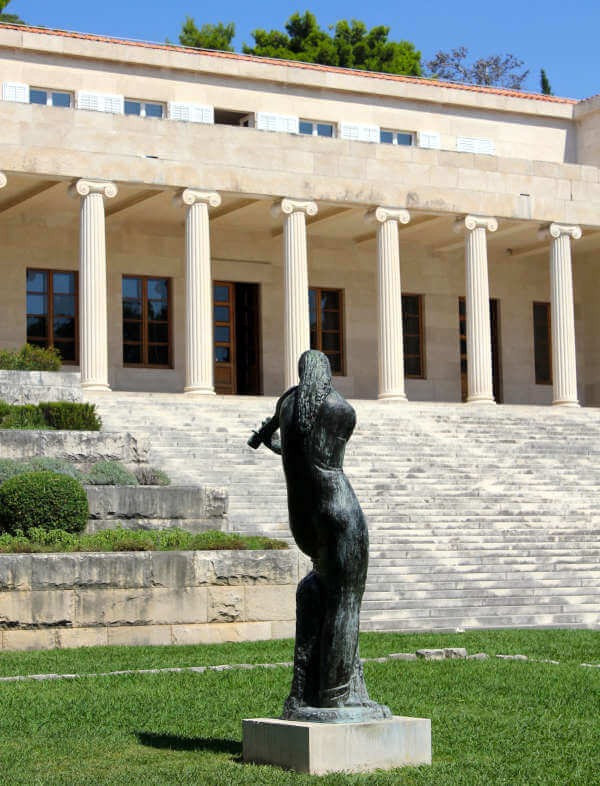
495	336
247	333
224	337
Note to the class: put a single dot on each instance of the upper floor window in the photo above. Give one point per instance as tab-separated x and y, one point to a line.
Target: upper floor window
315	128
45	97
52	311
326	325
390	137
146	321
144	108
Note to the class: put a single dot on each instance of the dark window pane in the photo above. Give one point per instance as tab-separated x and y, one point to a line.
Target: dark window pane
132	353
404	139
158	310
157	289
64	283
222	354
335	361
463	365
37	281
132	309
306	127
542	370
64	328
313	339
331	341
222	333
38	343
331	320
330	300
221	313
132	287
133	108
540	332
462	307
411	325
36	326
61	99
463	346
410	305
37	96
313	319
412	345
412	367
158	356
37	304
386	136
64	305
312	299
66	349
221	294
324	129
158	333
154	110
132	331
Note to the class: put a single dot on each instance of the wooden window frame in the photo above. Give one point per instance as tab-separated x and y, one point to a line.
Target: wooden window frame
49	338
341	331
421	334
145	322
549	342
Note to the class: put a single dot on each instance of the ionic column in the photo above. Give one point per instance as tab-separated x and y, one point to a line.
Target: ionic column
479	330
296	329
92	282
2	179
199	351
390	346
564	365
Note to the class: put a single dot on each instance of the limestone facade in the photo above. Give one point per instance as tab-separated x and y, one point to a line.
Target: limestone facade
273	213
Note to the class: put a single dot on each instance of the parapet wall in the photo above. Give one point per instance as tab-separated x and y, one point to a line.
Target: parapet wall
32	387
172	597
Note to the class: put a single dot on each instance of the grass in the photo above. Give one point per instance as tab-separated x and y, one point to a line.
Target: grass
494	722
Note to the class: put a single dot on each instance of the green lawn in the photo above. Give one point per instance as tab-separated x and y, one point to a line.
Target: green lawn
494	722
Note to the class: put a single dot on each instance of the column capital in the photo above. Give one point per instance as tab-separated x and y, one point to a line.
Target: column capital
556	230
83	188
472	222
193	196
2	179
382	213
287	206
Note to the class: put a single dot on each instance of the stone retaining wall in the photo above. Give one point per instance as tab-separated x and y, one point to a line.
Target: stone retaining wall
177	597
32	387
80	447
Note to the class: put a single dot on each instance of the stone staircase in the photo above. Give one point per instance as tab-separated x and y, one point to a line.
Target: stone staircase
479	517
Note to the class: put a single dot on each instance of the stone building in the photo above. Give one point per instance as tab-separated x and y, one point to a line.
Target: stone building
174	219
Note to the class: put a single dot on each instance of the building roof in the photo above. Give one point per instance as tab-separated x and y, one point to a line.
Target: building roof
501	91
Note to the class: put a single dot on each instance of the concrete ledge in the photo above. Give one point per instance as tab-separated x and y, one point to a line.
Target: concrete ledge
81	447
31	387
321	748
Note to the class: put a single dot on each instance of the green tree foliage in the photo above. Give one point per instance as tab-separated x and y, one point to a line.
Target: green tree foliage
545	84
498	70
9	19
351	45
217	36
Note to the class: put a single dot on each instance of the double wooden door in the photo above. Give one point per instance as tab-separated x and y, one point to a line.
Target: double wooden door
495	328
236	338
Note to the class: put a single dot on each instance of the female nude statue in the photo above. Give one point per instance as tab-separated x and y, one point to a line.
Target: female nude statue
315	423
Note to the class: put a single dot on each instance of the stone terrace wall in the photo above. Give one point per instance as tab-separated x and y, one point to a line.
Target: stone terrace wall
177	597
31	387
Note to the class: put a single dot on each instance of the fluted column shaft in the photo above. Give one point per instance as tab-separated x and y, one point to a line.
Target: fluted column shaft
296	327
199	352
93	317
2	179
479	330
390	345
564	365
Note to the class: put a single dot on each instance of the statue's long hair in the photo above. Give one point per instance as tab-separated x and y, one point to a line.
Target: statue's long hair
315	385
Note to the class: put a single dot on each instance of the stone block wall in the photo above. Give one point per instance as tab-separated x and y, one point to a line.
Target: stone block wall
80	447
179	597
32	387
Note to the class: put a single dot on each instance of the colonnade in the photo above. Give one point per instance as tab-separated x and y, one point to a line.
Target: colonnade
296	331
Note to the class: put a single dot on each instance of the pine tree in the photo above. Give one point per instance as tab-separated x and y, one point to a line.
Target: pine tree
545	84
9	19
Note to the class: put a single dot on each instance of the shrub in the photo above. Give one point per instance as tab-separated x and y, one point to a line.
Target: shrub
27	416
30	358
4	409
110	473
149	476
70	416
9	468
42	499
59	466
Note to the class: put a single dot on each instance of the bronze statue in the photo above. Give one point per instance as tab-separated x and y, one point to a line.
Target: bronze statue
315	423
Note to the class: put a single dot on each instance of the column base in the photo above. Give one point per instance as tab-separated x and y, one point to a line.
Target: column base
480	400
96	387
392	397
199	391
565	403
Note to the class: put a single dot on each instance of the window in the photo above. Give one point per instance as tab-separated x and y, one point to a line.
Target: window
412	329
52	311
146	321
542	343
389	137
49	97
326	325
315	128
144	108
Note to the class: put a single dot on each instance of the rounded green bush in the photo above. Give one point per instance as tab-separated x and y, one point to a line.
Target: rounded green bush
110	473
42	499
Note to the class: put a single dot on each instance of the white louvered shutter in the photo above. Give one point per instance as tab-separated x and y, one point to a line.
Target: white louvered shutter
100	102
467	144
15	91
270	121
429	139
359	132
191	113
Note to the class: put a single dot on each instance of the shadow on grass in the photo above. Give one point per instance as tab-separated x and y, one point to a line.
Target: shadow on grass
176	743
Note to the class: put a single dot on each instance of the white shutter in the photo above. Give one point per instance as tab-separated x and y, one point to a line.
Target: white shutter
269	121
467	144
429	139
100	102
191	113
15	91
359	132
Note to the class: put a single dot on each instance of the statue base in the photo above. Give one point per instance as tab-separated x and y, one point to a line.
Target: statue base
321	748
359	713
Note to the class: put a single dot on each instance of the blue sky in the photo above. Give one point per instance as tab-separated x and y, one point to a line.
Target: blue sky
558	36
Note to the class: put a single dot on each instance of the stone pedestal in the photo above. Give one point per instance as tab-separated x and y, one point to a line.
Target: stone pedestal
320	748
